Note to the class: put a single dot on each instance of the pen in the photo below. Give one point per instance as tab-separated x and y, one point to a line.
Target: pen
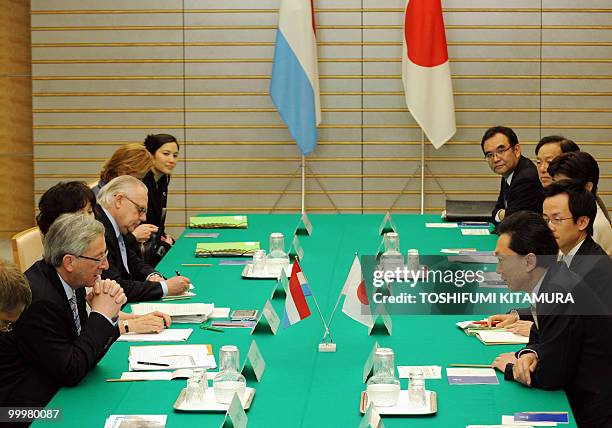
493	323
146	363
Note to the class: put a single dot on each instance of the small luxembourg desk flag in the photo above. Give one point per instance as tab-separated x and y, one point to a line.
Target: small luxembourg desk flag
296	307
294	86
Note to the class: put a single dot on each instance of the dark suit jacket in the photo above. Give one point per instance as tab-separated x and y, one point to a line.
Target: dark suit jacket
525	191
135	287
594	266
43	352
574	348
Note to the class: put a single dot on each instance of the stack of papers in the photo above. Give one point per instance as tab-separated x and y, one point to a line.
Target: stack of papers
219	222
179	312
429	372
177	374
501	337
171	357
474	257
166	335
468	376
136	421
475	232
226	249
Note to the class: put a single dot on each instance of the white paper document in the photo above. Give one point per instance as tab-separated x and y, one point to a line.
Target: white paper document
177	374
170	357
180	312
429	372
509	420
441	225
133	421
475	232
220	313
166	335
501	337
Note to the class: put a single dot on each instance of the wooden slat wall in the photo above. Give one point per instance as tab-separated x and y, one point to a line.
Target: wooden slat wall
16	181
109	72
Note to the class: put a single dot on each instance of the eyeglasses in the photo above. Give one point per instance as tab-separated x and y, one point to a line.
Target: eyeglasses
6	326
555	220
100	260
500	151
141	210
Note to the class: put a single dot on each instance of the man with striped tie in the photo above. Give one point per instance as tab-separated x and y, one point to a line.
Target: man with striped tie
55	343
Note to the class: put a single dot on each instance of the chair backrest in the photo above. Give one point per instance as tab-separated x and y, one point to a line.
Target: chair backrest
27	248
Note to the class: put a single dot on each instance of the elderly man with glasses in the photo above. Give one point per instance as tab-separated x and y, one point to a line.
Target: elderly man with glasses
54	342
520	187
122	206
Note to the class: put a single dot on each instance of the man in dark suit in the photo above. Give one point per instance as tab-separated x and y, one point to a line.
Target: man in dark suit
570	210
15	295
122	207
55	343
520	187
570	349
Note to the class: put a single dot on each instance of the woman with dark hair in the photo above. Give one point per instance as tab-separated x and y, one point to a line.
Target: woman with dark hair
76	196
583	167
164	150
64	197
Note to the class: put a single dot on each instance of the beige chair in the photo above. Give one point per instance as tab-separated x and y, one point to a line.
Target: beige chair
27	248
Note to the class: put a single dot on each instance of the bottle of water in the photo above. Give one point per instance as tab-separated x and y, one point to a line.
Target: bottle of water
277	257
228	381
416	388
383	387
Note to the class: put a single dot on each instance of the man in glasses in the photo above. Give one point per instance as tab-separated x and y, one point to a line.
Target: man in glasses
55	343
570	349
15	295
122	206
520	187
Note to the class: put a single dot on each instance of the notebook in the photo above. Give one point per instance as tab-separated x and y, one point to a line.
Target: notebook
179	312
170	357
226	249
219	222
497	337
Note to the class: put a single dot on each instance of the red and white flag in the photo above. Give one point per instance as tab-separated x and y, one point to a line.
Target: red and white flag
356	304
426	70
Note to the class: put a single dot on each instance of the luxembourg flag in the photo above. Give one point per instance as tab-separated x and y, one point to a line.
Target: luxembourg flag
296	307
294	87
426	71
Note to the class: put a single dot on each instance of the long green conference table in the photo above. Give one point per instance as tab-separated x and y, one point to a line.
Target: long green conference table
302	387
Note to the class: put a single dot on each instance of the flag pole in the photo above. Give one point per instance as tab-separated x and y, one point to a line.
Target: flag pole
331	318
327	332
303	182
422	171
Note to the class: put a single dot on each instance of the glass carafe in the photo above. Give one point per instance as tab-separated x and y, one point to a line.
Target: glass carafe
277	258
383	387
228	381
391	258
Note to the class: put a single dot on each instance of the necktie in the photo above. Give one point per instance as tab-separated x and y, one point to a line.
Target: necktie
123	253
75	313
505	190
535	315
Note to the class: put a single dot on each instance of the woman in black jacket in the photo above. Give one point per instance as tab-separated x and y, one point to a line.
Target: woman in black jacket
164	150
